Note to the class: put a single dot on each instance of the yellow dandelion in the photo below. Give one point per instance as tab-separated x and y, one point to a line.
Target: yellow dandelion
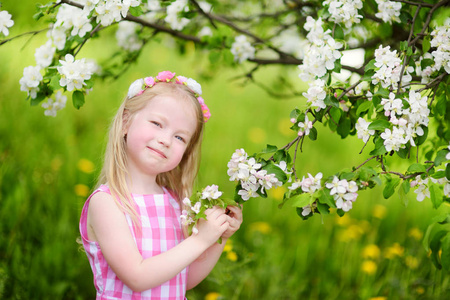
56	164
369	267
412	262
379	211
394	251
231	255
228	246
284	126
371	251
257	135
277	193
378	298
416	234
353	232
86	166
212	296
81	190
262	227
345	220
420	290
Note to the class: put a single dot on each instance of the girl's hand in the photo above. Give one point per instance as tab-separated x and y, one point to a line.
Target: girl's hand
234	218
211	229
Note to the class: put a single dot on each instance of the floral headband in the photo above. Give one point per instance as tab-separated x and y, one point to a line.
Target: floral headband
140	85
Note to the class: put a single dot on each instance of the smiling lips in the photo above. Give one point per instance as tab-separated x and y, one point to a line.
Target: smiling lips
158	152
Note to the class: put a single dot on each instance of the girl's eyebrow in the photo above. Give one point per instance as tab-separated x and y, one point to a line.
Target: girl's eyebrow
164	119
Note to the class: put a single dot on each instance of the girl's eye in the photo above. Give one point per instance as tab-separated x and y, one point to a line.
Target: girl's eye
180	138
156	123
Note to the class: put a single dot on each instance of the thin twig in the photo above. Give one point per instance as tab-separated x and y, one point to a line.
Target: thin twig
366	161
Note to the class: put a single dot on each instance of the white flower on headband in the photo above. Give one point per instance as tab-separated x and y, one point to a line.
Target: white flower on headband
140	85
135	88
194	86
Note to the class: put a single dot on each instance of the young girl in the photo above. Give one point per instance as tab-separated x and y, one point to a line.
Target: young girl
130	225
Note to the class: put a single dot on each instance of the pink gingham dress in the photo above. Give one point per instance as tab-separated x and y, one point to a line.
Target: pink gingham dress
161	230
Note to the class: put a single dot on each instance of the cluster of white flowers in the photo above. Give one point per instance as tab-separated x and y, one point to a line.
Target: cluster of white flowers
127	37
242	49
73	19
407	122
52	106
44	55
440	41
309	184
362	130
188	215
422	189
5	22
388	11
74	72
344	11
173	10
30	81
305	126
316	94
109	11
389	68
249	174
343	192
322	52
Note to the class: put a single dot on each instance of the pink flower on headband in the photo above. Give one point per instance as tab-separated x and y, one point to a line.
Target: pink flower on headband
140	85
149	81
206	112
200	100
181	79
165	76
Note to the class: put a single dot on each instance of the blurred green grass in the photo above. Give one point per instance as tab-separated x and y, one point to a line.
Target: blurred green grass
45	174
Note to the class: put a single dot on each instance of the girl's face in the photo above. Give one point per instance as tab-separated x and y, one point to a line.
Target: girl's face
158	135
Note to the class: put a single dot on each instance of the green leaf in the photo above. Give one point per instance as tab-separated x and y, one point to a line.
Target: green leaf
421	139
272	169
78	99
323	209
54	82
370	65
269	149
379	125
295	113
447	172
445	255
301	200
331	100
436	196
415	168
136	11
313	134
384	93
426	45
379	147
363	107
439	174
214	56
440	157
344	127
327	199
335	114
389	189
435	246
338	33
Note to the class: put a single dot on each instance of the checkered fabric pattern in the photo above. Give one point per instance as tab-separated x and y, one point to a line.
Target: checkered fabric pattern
161	230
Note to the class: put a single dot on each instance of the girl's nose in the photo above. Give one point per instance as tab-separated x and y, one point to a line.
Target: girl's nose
164	139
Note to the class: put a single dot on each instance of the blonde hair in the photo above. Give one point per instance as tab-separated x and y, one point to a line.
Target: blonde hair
180	180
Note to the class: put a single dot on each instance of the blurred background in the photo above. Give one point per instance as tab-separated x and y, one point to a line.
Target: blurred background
48	166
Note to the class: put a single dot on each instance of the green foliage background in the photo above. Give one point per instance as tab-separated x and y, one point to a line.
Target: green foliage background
275	255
